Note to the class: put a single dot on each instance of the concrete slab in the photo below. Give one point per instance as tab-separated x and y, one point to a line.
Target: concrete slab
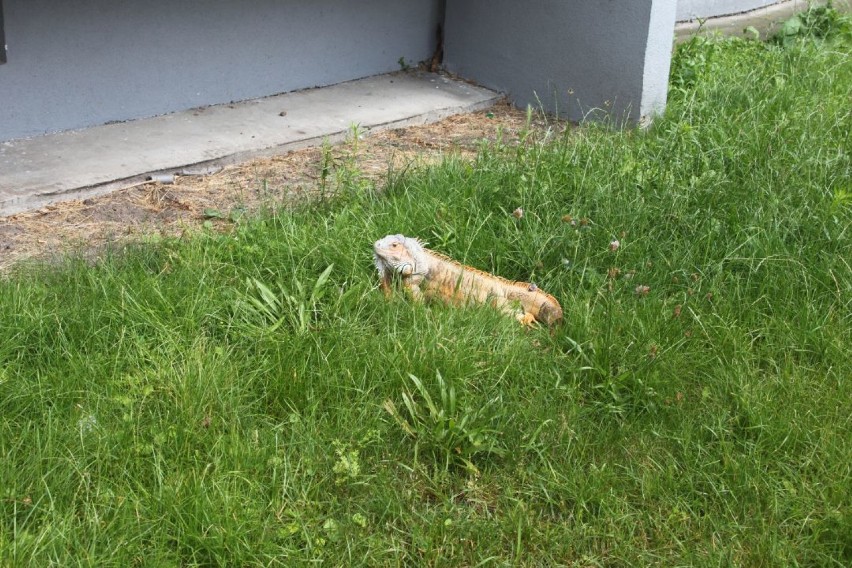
766	20
94	161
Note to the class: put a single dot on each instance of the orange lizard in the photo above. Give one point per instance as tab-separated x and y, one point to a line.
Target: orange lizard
426	273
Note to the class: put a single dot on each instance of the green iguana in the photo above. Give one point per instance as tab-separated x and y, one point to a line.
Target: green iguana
429	274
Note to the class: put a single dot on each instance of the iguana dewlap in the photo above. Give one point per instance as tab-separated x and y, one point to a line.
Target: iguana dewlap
426	273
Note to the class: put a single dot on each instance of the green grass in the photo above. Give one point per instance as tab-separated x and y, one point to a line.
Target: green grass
215	400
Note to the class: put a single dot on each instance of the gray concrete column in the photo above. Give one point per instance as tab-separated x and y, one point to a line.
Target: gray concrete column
579	58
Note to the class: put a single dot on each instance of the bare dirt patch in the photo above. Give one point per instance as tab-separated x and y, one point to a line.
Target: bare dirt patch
169	209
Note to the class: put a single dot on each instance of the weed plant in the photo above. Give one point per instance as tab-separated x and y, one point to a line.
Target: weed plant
250	398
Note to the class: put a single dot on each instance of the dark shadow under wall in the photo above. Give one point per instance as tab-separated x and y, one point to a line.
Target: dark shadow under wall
2	36
437	60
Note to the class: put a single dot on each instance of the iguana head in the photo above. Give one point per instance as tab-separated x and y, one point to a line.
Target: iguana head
400	254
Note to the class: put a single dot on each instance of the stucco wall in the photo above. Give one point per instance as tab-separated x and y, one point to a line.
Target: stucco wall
76	64
568	55
691	9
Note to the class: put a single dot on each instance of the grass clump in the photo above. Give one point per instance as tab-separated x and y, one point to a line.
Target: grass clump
250	398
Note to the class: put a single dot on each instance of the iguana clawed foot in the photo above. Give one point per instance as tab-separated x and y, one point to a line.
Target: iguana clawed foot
526	320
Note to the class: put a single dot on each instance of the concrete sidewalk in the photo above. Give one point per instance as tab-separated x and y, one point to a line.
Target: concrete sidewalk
767	21
94	161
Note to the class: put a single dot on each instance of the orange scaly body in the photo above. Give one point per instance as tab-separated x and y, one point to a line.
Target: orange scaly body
433	275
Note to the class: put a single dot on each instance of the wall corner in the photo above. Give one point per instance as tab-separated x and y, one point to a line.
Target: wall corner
658	58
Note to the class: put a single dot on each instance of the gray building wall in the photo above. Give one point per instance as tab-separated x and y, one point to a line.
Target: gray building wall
692	9
77	64
573	56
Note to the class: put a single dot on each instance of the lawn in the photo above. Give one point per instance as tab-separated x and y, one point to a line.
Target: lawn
249	397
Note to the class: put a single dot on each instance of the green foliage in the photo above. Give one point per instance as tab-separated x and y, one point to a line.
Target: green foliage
453	434
816	23
339	175
266	311
703	59
224	398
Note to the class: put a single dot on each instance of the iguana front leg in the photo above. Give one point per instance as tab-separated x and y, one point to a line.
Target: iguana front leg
413	287
385	285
